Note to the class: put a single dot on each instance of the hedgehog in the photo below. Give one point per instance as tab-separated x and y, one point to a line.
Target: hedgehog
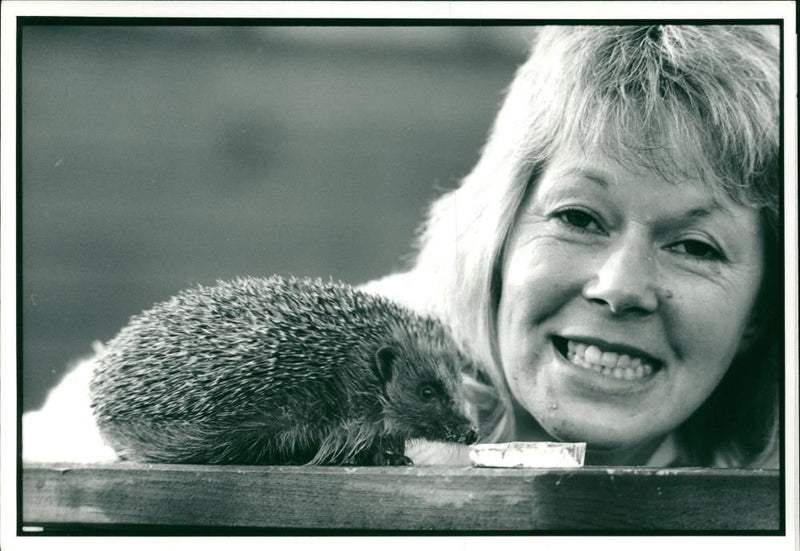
279	370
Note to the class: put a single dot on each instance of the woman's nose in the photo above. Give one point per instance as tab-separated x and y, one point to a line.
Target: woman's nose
624	281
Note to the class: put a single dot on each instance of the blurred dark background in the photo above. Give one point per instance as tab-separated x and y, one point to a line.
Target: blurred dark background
154	158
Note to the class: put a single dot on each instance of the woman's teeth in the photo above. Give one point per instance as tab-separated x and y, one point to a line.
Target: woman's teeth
619	366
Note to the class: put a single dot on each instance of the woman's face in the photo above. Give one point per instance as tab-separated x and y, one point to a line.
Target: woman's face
624	300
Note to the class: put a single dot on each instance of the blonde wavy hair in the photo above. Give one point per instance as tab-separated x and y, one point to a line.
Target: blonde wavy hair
711	94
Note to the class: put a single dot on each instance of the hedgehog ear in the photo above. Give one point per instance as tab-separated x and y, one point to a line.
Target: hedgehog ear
384	359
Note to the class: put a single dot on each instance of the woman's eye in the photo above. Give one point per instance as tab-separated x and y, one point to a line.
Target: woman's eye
697	249
579	219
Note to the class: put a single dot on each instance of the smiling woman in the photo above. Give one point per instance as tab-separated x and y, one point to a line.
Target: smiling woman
620	312
613	257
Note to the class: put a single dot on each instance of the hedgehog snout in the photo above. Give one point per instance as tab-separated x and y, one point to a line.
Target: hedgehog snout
460	427
472	435
469	434
463	433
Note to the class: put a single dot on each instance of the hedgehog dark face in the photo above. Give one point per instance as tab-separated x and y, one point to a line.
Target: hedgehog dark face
424	398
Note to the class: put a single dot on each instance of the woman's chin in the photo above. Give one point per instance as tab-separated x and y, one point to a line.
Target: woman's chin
603	426
598	436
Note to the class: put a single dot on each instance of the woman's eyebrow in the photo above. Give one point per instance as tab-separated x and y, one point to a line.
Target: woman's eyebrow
702	212
710	207
596	176
713	212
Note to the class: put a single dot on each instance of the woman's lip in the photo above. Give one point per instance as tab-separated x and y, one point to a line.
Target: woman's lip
594	382
618	348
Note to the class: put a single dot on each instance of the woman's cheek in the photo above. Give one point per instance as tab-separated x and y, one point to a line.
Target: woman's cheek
539	279
539	275
703	323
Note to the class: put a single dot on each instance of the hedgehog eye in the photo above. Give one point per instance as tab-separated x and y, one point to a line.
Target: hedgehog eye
427	392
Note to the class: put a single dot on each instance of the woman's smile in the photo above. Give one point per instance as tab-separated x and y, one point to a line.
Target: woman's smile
608	359
603	367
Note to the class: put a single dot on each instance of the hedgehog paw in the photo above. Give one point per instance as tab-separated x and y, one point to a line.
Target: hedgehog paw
401	460
391	459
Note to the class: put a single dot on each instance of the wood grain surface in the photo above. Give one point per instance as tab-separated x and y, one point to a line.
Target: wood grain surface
401	499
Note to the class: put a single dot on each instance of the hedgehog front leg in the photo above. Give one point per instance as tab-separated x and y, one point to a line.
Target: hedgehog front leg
391	459
356	444
386	451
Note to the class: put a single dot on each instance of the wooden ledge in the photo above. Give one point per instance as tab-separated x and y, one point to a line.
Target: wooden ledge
400	499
